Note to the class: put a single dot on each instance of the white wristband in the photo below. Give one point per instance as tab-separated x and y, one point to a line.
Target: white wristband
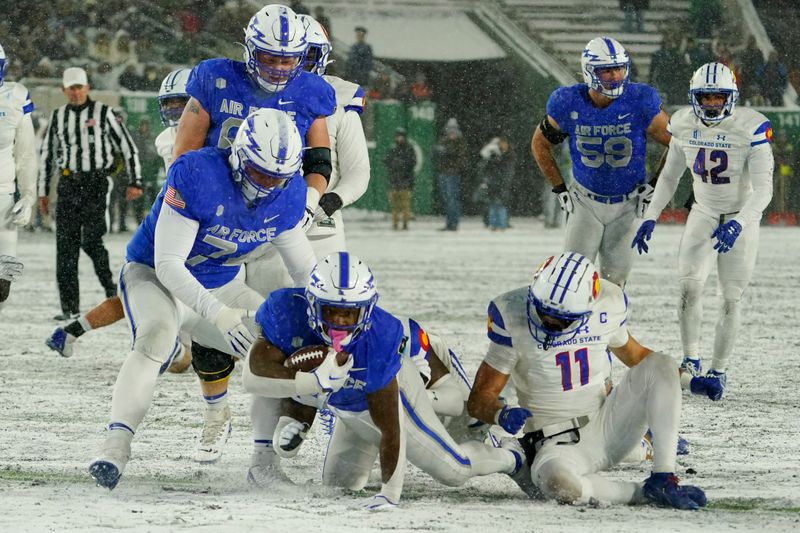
312	198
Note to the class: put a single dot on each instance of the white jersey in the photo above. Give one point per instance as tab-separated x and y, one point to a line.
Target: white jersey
349	154
18	157
164	144
731	164
565	380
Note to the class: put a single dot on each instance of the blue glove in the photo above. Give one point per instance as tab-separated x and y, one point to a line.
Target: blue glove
726	235
512	419
643	235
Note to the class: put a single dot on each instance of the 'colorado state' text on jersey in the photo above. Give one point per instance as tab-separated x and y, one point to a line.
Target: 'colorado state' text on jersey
15	103
718	155
565	380
224	89
283	320
200	187
607	145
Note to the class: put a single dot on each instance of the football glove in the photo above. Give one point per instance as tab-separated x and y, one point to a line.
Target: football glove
330	203
512	419
229	322
21	212
10	267
643	199
330	376
726	235
564	198
643	235
289	435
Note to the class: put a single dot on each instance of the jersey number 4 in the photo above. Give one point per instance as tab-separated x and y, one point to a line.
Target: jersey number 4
581	359
720	157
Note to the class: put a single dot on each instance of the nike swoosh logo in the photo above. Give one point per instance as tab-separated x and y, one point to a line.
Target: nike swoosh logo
620	117
282	102
357	369
268	220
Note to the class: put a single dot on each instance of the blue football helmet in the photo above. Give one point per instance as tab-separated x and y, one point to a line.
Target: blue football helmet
713	78
601	53
173	88
561	297
275	31
3	65
341	280
319	46
268	143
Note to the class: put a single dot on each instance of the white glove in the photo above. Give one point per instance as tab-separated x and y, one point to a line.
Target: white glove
330	376
645	195
307	221
229	322
21	212
379	502
289	435
564	198
10	267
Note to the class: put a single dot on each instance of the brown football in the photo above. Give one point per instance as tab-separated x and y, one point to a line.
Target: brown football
310	357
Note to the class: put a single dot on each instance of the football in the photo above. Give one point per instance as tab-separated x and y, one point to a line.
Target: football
308	358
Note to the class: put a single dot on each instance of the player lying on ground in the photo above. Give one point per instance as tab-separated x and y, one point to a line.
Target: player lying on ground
728	151
553	337
184	262
379	398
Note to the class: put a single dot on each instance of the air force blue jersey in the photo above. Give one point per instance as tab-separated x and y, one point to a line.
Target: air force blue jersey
607	146
224	89
283	320
200	187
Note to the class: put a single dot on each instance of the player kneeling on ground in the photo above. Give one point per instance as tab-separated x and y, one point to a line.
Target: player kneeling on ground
553	337
378	396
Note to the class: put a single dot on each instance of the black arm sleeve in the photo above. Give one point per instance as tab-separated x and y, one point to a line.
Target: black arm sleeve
318	160
550	133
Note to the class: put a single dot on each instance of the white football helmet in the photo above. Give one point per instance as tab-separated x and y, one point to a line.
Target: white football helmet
341	280
561	297
3	65
274	30
600	53
319	46
713	78
268	142
173	88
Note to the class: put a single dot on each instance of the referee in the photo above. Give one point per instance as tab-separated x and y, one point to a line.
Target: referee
80	142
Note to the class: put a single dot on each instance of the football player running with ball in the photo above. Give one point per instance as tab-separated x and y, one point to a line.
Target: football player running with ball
554	337
607	120
727	149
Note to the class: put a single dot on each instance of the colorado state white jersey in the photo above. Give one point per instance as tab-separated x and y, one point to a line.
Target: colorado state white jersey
15	106
164	144
718	155
568	379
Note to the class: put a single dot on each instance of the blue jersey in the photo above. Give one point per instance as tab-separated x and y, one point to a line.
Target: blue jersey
283	320
607	145
228	94
200	187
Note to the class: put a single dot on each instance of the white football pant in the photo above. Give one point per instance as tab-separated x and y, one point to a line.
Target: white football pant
603	233
696	257
649	395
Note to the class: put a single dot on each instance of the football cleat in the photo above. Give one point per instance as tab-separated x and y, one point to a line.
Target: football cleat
663	490
711	385
265	470
692	366
107	469
683	446
522	471
61	341
214	434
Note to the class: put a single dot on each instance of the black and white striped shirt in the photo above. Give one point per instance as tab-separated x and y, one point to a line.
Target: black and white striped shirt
83	139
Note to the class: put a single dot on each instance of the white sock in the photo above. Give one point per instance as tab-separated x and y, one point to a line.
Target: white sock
264	415
727	330
217	402
84	323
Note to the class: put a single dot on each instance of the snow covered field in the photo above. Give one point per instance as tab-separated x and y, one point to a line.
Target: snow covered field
745	450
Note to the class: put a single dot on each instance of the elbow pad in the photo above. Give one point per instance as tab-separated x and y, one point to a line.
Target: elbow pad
555	136
318	161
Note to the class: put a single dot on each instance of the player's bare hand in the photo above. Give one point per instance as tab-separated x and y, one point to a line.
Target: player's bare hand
44	205
132	193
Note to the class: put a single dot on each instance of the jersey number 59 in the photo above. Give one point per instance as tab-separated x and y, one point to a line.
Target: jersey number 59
616	151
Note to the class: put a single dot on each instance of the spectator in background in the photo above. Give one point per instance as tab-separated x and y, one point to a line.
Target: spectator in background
382	87
104	77
668	69
325	22
123	50
698	53
400	162
359	60
726	58
772	78
131	80
634	14
498	179
228	21
100	47
749	59
151	165
419	89
704	16
298	7
450	163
